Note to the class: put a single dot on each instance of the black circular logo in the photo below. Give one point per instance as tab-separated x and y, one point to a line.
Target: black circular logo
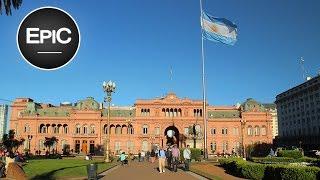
48	38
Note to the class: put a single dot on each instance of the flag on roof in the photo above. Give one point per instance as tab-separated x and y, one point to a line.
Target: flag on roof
219	29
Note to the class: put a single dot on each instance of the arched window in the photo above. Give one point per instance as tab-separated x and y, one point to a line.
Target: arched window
145	146
43	128
179	112
175	112
85	129
92	129
145	129
26	128
118	129
117	145
171	112
65	129
250	131
213	131
105	129
263	130
78	129
256	131
130	129
130	145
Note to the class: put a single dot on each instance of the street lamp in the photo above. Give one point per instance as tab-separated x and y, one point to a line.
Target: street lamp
109	88
29	138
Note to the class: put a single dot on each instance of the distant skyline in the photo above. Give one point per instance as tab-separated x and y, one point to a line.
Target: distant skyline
135	44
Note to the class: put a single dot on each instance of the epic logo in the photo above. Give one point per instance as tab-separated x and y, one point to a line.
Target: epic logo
48	38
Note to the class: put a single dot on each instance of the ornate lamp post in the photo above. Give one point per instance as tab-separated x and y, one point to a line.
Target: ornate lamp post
29	138
109	88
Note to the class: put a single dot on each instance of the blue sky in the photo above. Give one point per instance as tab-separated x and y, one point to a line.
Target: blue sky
135	43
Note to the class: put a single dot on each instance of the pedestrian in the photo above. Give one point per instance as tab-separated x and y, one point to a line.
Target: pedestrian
169	157
123	159
175	157
187	157
152	156
139	156
148	156
143	155
162	160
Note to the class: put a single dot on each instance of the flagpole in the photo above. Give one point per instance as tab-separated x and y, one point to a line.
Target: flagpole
204	114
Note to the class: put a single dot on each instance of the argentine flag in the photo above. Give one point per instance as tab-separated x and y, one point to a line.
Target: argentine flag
219	29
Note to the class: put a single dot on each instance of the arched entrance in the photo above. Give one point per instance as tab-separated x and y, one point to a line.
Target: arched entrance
172	135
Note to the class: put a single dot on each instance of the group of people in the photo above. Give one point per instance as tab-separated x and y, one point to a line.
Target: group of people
169	155
172	156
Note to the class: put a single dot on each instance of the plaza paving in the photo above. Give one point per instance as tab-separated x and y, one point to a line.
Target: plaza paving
145	170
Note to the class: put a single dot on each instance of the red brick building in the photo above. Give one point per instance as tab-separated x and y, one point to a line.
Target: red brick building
82	127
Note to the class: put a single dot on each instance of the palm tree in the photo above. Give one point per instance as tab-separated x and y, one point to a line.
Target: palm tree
10	143
49	142
7	5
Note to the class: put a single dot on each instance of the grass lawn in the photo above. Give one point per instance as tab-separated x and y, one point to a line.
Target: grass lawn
208	170
61	168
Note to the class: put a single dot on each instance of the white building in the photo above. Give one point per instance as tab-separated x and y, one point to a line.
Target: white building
299	114
3	119
273	110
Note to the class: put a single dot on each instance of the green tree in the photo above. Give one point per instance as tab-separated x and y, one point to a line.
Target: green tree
10	143
7	4
49	142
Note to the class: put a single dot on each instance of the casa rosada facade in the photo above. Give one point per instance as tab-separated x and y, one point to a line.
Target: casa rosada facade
82	127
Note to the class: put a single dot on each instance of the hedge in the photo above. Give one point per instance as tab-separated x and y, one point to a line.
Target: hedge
290	153
271	160
252	170
195	154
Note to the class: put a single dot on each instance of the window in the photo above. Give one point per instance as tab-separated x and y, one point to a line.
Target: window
157	131
256	131
130	129
186	131
85	129
55	129
145	146
65	129
117	146
92	129
225	146
145	129
118	129
78	129
26	128
224	130
250	131
263	130
213	146
41	145
213	131
235	131
43	128
130	145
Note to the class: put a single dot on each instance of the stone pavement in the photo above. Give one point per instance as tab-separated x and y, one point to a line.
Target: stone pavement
145	170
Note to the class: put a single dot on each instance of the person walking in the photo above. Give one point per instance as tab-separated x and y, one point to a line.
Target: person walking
152	156
169	157
187	157
175	157
123	159
162	160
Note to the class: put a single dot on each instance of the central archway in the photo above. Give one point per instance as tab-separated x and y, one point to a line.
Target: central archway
175	138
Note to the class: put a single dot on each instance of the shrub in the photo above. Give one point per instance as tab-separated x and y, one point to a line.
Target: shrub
273	160
290	153
279	172
252	170
195	154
